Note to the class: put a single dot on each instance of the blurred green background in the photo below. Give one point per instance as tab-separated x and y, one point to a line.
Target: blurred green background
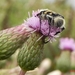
14	12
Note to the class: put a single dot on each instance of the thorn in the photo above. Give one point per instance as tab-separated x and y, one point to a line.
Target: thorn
28	35
32	12
50	41
39	38
24	20
29	14
57	35
54	39
33	31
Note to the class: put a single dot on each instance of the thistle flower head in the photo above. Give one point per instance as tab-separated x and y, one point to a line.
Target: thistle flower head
67	44
46	29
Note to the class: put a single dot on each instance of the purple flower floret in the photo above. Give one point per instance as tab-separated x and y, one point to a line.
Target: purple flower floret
74	46
46	29
67	44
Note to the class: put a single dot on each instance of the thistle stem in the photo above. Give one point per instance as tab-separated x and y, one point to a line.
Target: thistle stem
22	72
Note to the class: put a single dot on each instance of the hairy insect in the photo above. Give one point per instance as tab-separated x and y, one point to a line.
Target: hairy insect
54	19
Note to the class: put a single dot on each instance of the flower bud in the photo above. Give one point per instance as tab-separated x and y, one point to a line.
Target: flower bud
63	63
11	39
31	52
72	71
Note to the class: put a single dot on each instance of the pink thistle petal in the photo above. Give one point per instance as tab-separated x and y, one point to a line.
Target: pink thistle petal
74	46
43	26
33	22
67	43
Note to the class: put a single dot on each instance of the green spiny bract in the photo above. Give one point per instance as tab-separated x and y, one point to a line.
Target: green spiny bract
73	61
63	62
10	40
31	53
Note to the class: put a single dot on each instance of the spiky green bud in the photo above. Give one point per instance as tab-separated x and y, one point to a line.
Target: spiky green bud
11	39
31	52
73	61
63	62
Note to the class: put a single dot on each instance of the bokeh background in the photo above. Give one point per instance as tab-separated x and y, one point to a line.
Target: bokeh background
14	12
